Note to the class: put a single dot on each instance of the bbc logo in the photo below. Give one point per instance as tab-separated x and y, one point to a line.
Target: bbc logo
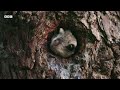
8	16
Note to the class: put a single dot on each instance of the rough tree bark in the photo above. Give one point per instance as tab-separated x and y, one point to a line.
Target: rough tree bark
24	53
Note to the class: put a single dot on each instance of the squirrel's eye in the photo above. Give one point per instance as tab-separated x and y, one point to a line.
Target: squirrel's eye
70	47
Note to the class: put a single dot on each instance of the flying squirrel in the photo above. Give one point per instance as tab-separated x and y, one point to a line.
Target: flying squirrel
64	43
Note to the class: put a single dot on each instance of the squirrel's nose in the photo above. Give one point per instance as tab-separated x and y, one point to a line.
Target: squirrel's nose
70	47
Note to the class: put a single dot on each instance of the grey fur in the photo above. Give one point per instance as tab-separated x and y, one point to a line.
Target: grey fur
60	41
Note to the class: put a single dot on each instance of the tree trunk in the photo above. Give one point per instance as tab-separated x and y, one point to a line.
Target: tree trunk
24	40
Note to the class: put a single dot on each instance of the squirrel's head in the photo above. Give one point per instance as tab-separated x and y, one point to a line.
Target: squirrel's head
64	43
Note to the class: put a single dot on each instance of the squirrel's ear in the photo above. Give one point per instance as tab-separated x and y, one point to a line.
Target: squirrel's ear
61	31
